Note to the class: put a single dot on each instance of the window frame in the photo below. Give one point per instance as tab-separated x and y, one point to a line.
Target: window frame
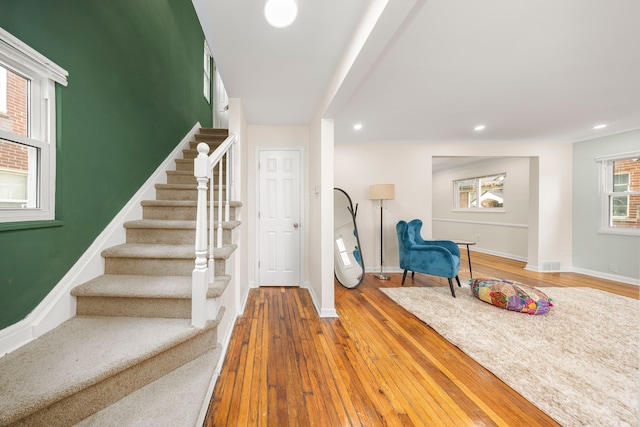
626	195
478	186
43	75
206	83
606	194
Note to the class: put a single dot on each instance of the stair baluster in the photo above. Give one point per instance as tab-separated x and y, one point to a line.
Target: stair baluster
204	166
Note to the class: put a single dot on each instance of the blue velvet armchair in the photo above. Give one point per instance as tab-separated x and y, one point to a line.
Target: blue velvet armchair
435	257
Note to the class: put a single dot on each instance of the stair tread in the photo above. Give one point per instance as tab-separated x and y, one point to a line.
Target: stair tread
180	186
139	286
181	203
176	172
161	223
175	399
173	224
65	360
150	250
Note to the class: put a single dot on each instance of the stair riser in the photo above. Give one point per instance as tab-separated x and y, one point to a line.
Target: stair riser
213	142
180	213
155	267
192	152
184	165
169	236
219	266
149	266
187	165
212	139
173	308
161	236
79	406
188	179
180	194
182	179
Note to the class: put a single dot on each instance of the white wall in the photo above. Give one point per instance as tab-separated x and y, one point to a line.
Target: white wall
238	124
594	252
502	233
357	166
273	137
409	167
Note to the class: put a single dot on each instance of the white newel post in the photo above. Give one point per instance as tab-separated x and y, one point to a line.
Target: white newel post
200	277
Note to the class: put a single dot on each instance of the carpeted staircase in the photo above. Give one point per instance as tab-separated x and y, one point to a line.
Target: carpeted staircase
130	355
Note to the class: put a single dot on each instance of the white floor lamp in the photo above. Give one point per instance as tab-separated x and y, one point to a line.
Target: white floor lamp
382	192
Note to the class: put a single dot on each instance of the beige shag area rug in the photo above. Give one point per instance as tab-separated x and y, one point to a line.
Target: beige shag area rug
579	363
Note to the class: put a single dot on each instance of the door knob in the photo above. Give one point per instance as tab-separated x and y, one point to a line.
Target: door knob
295	225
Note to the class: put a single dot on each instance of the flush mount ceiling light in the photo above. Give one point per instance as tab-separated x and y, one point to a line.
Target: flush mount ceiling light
357	126
479	128
600	126
280	13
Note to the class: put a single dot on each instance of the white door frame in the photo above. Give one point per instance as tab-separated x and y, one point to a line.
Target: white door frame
303	223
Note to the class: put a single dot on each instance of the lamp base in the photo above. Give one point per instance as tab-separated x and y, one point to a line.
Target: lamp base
382	276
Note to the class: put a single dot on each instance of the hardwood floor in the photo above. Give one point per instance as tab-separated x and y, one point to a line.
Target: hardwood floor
375	365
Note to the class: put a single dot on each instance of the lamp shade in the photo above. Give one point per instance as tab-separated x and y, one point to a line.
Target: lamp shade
382	192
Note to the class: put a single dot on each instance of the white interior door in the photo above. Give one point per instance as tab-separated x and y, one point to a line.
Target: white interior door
221	102
279	218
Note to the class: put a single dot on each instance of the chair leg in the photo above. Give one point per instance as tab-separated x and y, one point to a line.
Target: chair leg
412	273
404	276
453	290
458	280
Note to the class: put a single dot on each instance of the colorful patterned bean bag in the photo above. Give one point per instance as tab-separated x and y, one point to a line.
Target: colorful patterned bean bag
511	295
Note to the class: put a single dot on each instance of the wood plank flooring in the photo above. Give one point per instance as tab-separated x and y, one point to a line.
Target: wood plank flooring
375	365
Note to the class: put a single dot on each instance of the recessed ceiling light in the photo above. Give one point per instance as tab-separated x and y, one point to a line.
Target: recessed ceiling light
600	126
280	13
357	126
479	128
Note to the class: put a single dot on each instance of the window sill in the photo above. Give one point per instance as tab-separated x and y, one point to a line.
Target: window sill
631	232
482	210
8	226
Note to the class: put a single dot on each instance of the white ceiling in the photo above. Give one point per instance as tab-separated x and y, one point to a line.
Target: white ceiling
431	70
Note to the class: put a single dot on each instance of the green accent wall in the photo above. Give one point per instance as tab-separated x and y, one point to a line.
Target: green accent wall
135	90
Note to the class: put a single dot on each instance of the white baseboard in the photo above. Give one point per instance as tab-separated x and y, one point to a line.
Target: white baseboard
495	253
563	269
392	269
607	276
59	306
225	347
322	312
539	269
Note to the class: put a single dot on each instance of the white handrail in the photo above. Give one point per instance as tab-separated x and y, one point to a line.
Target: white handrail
203	272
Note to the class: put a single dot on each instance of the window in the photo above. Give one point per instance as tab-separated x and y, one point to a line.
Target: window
207	72
479	193
620	204
620	193
27	131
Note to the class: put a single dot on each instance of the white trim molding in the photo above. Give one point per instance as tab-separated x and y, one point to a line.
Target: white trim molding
322	312
20	53
495	224
607	276
43	74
